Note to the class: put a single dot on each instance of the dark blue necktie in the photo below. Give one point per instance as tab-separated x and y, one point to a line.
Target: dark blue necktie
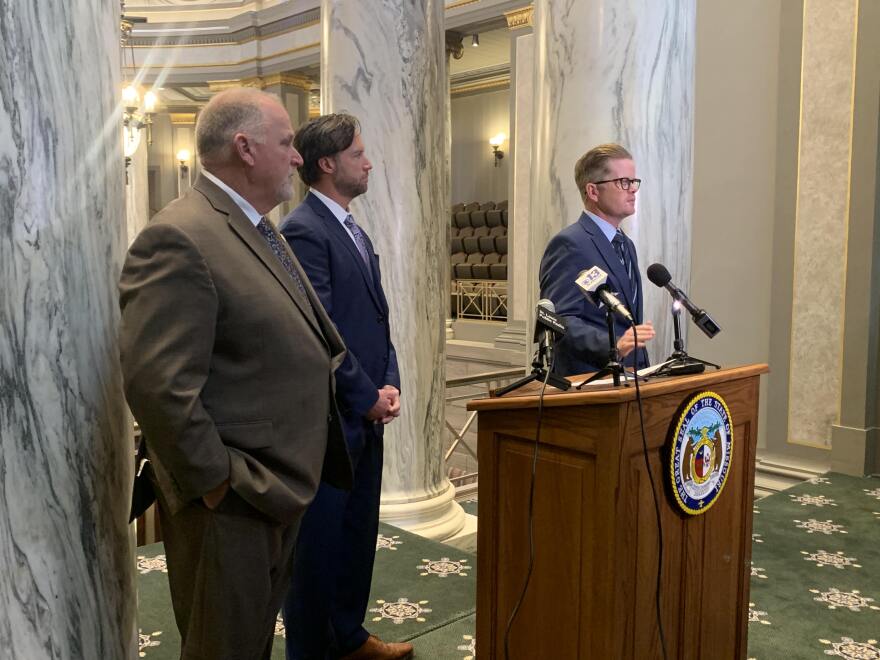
619	243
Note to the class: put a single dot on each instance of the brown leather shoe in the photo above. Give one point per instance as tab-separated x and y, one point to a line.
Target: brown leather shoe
375	649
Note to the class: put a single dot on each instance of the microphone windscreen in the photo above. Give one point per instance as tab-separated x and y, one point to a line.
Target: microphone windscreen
547	304
658	275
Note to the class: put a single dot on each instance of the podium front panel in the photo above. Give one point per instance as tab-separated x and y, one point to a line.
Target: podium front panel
592	591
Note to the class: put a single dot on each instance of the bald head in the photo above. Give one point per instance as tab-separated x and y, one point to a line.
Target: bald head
237	110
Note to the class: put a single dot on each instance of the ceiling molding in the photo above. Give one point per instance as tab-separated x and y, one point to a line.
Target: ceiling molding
489	78
520	18
223	37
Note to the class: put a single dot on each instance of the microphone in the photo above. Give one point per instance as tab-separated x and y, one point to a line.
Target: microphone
548	326
594	285
659	276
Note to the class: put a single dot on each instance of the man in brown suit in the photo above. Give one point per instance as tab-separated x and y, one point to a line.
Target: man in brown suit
228	360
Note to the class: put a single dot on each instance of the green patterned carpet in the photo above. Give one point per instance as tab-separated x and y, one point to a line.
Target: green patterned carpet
421	589
815	587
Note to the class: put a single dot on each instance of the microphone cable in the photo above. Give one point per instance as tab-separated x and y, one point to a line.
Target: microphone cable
653	494
525	586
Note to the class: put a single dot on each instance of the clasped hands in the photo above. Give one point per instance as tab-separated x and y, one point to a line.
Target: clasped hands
387	406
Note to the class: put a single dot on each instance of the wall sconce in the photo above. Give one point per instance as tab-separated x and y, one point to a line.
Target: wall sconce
183	157
135	121
475	40
496	143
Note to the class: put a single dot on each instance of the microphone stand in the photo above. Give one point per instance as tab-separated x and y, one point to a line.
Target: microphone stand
680	363
614	368
539	373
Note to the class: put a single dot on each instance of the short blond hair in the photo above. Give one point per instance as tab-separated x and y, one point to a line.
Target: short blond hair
593	165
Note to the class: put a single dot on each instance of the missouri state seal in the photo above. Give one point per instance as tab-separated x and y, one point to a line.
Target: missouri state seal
702	448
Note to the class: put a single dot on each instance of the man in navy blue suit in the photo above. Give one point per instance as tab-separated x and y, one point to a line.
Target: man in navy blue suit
605	177
333	565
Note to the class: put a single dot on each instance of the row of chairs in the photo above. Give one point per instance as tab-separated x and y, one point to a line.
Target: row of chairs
477	219
479	206
482	244
482	258
478	245
477	232
480	266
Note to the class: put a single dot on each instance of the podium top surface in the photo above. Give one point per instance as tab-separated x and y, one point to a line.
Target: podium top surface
529	395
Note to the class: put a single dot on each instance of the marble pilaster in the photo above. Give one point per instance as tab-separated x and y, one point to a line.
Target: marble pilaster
522	58
66	565
855	437
820	253
384	63
454	49
617	71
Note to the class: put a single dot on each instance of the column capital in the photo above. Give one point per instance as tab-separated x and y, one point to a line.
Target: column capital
520	18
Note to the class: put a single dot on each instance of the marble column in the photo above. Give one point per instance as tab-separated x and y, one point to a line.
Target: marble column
384	63
522	60
617	71
66	566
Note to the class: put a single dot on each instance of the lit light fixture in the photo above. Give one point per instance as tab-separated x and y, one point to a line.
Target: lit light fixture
183	157
134	119
496	143
475	40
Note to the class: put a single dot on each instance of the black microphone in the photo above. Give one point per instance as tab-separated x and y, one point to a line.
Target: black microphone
594	285
659	276
548	327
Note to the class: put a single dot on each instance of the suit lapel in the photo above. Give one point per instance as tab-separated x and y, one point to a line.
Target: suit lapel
245	230
337	231
616	271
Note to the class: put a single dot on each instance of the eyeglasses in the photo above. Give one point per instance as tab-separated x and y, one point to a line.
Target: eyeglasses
623	183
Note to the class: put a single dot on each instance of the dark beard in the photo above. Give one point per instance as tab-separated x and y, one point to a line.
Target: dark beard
350	188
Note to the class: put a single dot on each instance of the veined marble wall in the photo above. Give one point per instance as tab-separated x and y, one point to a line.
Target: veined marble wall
817	322
384	63
617	71
66	567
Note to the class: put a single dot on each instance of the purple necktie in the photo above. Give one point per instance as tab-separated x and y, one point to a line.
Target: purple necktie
359	240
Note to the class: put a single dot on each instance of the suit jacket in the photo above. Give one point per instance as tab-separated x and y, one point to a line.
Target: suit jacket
580	246
351	292
227	366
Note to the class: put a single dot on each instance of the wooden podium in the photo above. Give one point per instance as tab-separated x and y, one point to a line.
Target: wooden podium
592	591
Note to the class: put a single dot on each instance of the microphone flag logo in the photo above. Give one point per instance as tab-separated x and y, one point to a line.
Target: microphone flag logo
702	449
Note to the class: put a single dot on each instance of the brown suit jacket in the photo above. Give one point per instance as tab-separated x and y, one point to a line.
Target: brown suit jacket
227	367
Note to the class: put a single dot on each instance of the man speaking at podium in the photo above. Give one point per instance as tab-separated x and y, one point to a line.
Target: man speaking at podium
605	177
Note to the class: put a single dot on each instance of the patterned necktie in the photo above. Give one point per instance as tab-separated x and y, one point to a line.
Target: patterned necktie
359	240
281	253
619	243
